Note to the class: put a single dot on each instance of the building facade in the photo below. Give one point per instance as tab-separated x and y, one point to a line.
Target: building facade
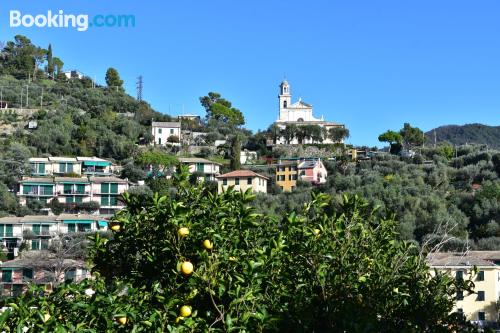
479	307
242	180
288	172
299	114
68	190
61	166
163	131
206	169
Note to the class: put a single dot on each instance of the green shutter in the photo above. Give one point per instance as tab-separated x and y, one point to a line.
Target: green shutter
113	201
27	273
80	189
35	245
67	188
104	201
114	188
71	227
69	167
2	230
6	275
45	229
78	199
70	199
27	189
45	244
104	188
36	229
41	168
9	230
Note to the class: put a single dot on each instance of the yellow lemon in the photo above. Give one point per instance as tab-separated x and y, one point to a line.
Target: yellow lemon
122	320
187	268
316	232
185	311
183	232
46	317
207	244
115	227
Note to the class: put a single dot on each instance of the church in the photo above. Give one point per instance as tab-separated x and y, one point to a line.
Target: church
299	113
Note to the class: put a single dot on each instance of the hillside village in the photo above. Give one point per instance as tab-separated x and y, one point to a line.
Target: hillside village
68	159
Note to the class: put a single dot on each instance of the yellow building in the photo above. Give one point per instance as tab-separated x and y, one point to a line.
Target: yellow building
243	180
481	306
287	175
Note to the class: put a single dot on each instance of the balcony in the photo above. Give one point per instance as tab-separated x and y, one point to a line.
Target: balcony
73	193
39	194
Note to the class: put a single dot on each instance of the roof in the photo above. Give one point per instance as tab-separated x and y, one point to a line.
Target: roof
91	159
10	219
308	164
108	180
83	217
71	179
188	116
31	261
196	160
471	258
62	159
37	180
299	104
38	159
38	218
167	124
242	174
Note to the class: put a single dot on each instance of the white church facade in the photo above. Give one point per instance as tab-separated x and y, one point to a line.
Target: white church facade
299	114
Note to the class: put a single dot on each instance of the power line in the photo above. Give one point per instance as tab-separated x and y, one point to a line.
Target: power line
139	88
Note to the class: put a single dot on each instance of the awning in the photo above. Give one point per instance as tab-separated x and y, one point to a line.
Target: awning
96	163
78	221
103	224
40	184
77	183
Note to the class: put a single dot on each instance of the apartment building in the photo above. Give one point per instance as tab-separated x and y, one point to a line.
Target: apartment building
15	275
481	306
72	191
37	231
288	172
61	166
242	180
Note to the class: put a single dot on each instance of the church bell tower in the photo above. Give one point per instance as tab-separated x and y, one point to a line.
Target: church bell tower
285	100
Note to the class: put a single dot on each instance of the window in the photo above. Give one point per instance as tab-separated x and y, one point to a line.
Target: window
65	167
35	244
109	188
249	181
6	275
459	275
460	295
36	229
480	276
159	130
236	181
70	275
171	131
480	296
71	227
289	177
224	181
27	273
44	244
6	230
68	188
285	103
200	167
159	141
45	229
481	315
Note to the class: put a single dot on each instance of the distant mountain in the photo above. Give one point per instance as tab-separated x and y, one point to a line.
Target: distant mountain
466	134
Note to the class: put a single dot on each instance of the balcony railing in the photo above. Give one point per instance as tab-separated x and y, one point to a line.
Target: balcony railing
39	194
73	192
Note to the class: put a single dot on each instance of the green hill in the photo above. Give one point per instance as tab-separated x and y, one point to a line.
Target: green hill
466	134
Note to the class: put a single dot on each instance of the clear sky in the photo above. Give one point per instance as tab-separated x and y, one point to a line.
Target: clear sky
369	64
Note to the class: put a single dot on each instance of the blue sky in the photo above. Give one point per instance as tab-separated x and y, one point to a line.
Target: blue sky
372	65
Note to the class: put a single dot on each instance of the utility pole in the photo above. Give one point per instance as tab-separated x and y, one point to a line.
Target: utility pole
139	88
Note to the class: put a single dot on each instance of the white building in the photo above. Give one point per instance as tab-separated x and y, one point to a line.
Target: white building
207	170
299	113
162	131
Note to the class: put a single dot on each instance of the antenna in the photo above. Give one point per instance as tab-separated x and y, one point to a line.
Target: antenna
139	88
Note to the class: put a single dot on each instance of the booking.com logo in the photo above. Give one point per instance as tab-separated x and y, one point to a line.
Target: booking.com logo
59	19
